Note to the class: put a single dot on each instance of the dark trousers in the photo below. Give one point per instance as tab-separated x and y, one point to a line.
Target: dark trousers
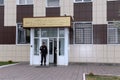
43	56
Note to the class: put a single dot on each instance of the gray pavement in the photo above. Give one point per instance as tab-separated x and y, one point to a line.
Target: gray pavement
24	71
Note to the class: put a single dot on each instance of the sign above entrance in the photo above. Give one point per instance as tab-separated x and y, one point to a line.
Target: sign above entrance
47	22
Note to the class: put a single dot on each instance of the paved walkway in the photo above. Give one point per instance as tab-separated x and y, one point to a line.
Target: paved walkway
24	71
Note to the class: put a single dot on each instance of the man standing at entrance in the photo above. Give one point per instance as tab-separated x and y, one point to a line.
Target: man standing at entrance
44	51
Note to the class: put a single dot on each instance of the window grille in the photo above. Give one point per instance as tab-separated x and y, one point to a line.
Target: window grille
113	33
83	33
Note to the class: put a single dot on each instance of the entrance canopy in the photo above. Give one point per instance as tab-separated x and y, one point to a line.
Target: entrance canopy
41	22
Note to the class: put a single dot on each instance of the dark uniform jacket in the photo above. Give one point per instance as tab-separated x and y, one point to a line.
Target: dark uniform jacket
43	49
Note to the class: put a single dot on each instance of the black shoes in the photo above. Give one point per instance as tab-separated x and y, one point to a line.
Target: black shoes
42	64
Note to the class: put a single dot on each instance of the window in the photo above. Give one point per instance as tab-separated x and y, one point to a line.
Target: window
23	35
36	46
21	1
113	33
49	32
52	3
83	33
24	2
1	2
83	0
61	46
36	41
61	32
29	1
61	41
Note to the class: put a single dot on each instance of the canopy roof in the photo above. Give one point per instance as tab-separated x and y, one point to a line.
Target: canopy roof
41	22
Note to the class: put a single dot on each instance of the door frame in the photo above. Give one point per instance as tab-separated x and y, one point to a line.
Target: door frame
52	56
48	45
61	60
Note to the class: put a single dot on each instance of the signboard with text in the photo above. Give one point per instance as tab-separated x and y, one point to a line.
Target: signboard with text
47	22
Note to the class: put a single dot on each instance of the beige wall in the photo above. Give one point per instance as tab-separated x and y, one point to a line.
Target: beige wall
39	8
99	11
66	7
15	52
77	53
10	13
94	53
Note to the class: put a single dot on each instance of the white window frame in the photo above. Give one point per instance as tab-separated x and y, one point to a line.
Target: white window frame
17	35
116	37
18	3
82	1
115	27
74	30
2	3
52	6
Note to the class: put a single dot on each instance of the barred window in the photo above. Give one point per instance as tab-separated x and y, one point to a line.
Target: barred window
113	33
83	33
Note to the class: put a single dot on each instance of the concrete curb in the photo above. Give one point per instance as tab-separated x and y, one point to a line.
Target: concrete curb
84	76
8	65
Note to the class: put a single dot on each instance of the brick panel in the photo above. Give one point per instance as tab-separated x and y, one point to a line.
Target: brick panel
83	11
10	35
7	34
113	10
52	12
24	11
100	34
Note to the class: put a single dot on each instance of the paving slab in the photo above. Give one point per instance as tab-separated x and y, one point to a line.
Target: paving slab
24	71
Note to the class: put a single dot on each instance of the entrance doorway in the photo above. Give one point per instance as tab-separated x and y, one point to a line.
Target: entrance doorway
51	44
56	40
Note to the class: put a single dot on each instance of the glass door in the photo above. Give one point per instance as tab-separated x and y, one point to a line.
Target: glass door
62	41
53	51
35	47
56	40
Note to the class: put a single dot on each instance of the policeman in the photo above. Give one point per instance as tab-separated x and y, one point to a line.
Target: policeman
44	52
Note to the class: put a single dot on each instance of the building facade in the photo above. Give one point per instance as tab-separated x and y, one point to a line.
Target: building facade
92	37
